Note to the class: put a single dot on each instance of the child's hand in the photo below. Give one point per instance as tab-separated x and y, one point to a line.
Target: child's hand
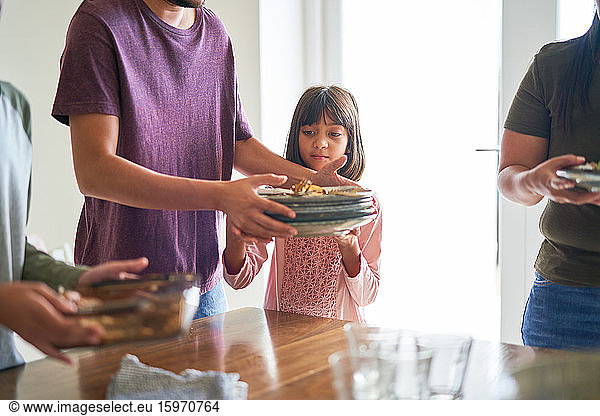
232	233
235	249
348	239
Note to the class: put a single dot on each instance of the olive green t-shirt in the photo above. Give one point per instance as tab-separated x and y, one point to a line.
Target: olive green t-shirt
570	252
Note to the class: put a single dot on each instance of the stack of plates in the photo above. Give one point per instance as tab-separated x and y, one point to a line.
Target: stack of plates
340	210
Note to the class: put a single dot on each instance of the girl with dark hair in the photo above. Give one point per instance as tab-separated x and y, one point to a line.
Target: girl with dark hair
332	277
553	123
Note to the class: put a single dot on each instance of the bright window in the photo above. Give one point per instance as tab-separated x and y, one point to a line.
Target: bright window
574	17
425	75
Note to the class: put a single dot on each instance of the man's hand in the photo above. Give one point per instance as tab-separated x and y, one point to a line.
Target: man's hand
113	270
37	314
246	210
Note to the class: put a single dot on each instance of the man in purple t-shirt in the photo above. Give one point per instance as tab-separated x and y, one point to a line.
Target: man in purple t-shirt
149	90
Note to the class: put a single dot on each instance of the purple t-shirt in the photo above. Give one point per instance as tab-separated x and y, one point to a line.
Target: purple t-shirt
175	93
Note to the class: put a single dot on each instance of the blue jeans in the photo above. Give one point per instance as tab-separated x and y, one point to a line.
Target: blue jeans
561	317
212	302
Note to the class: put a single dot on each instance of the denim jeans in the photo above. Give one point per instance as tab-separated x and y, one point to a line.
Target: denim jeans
212	302
561	317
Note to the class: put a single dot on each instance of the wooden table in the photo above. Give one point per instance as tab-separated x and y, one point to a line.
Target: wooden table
280	356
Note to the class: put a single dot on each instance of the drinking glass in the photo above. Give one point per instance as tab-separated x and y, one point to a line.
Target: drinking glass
449	359
402	375
411	380
364	376
380	341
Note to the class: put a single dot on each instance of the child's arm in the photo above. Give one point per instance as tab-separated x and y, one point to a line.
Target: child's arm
235	251
241	261
364	283
350	250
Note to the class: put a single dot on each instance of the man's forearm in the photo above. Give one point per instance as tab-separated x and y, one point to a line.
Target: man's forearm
116	179
253	158
102	174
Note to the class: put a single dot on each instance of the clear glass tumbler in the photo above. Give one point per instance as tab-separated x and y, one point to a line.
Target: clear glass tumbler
449	360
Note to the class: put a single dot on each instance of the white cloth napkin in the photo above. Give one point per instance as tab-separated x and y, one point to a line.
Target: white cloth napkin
138	381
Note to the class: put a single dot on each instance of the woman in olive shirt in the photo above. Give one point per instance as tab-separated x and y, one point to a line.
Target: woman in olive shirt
554	122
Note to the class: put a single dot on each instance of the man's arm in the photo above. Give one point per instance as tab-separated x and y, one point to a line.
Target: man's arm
101	173
252	158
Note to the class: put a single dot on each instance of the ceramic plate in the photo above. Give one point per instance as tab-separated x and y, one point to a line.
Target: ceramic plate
325	215
338	227
585	179
328	208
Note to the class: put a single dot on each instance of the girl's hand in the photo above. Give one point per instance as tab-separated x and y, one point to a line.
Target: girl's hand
349	239
234	254
232	237
113	270
246	210
543	180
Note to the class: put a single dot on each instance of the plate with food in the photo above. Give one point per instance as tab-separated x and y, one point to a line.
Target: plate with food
585	176
325	210
316	194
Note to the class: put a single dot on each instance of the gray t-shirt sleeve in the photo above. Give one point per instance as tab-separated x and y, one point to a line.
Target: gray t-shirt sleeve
529	112
89	79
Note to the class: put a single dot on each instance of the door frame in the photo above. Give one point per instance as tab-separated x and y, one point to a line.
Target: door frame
526	27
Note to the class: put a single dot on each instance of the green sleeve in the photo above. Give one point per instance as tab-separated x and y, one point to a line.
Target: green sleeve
41	267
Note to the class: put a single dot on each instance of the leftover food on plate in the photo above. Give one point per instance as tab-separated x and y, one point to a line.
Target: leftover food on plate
590	166
306	187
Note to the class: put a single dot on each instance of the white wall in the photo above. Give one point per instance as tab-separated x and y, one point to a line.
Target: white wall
242	21
282	60
32	35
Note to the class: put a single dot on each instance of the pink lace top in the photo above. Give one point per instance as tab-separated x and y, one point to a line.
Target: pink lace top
307	275
310	276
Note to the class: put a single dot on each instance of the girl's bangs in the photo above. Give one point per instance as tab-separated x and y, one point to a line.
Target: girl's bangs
320	106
